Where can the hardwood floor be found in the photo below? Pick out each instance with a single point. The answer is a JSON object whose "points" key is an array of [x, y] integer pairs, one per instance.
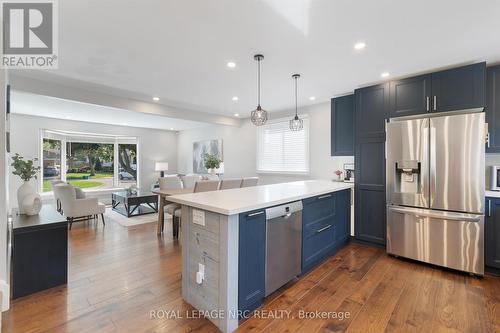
{"points": [[118, 276]]}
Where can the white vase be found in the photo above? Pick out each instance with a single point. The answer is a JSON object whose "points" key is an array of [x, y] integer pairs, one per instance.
{"points": [[23, 192]]}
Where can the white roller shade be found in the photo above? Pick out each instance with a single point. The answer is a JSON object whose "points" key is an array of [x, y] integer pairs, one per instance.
{"points": [[280, 150]]}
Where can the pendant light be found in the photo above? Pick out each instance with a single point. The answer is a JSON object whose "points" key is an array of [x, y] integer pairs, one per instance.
{"points": [[296, 124], [259, 115]]}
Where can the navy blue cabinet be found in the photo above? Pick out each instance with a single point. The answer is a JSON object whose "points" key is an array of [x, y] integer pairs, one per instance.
{"points": [[493, 109], [492, 233], [410, 96], [325, 226], [454, 89], [252, 260], [459, 88], [372, 105], [342, 126]]}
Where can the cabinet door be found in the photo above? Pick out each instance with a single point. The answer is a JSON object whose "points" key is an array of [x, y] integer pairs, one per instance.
{"points": [[342, 126], [343, 215], [493, 108], [410, 96], [370, 216], [492, 233], [252, 259], [459, 88], [371, 110]]}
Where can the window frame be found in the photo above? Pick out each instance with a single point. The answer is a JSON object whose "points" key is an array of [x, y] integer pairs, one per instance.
{"points": [[307, 156], [91, 138]]}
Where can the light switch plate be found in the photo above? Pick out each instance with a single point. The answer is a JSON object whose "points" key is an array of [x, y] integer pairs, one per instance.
{"points": [[199, 217]]}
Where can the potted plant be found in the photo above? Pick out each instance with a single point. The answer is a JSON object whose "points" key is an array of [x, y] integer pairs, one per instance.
{"points": [[212, 163], [27, 199]]}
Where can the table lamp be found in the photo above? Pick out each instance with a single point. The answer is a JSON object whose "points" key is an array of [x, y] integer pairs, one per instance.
{"points": [[162, 167]]}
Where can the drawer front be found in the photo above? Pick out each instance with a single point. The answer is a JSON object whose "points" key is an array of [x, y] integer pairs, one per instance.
{"points": [[208, 290], [318, 244], [311, 229], [203, 242], [318, 207]]}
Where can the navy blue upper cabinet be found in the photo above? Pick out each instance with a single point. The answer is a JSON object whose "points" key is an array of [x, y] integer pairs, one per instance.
{"points": [[459, 88], [492, 233], [493, 108], [252, 260], [342, 126], [371, 110], [410, 96]]}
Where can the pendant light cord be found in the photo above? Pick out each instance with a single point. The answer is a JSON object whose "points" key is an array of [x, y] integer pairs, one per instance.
{"points": [[258, 81], [296, 89]]}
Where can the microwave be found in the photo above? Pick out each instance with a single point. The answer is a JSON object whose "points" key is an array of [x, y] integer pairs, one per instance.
{"points": [[495, 178]]}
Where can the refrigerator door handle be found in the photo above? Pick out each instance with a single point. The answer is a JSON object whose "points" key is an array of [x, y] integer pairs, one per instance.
{"points": [[424, 158], [438, 215], [432, 163]]}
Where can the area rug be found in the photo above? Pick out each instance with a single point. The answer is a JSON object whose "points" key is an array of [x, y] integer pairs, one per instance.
{"points": [[130, 222]]}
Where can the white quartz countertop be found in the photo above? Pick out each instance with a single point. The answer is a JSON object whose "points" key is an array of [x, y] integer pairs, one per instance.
{"points": [[493, 194], [235, 201]]}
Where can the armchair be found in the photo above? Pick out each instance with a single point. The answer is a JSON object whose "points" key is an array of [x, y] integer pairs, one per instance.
{"points": [[77, 209]]}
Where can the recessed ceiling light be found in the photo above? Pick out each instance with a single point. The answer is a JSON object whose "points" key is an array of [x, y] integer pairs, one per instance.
{"points": [[359, 45], [236, 114], [171, 128], [385, 74], [231, 64], [156, 99], [235, 98], [312, 98]]}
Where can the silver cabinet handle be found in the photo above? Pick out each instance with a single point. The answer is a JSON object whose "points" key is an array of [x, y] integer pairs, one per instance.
{"points": [[324, 196], [435, 103], [323, 229], [428, 100], [489, 208], [255, 214]]}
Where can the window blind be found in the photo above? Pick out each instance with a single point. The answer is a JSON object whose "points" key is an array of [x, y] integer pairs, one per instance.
{"points": [[280, 150]]}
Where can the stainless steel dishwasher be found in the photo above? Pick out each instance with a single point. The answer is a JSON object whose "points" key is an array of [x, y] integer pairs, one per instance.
{"points": [[283, 244]]}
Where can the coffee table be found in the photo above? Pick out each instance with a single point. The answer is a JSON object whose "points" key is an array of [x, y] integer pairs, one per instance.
{"points": [[144, 202]]}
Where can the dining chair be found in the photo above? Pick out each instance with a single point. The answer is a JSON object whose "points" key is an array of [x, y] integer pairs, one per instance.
{"points": [[189, 181], [227, 184], [250, 181], [168, 183], [200, 186]]}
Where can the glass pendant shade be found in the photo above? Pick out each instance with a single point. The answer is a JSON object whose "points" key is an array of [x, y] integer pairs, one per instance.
{"points": [[296, 124], [259, 116]]}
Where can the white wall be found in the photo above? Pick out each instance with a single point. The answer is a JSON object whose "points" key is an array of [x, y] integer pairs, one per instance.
{"points": [[239, 147], [154, 145]]}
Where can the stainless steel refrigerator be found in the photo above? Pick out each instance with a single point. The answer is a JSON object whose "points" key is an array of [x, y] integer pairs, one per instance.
{"points": [[435, 190]]}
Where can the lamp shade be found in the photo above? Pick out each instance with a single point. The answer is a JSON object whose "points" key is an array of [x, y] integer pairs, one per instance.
{"points": [[161, 166]]}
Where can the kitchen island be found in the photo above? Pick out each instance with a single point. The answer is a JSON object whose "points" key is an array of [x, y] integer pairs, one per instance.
{"points": [[224, 241]]}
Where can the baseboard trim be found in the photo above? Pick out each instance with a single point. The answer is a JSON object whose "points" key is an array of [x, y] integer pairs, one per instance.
{"points": [[5, 290]]}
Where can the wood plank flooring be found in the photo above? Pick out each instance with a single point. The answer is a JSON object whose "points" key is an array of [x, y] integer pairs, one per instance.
{"points": [[118, 276]]}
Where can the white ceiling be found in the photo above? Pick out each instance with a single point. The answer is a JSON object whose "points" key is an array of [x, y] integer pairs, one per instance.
{"points": [[44, 106], [178, 50]]}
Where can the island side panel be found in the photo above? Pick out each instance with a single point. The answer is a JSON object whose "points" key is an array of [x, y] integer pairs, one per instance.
{"points": [[229, 231], [221, 269]]}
